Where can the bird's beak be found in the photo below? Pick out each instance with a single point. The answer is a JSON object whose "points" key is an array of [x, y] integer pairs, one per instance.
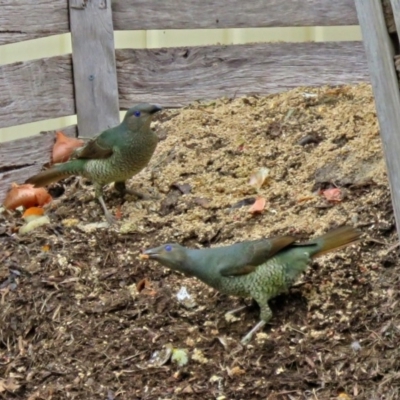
{"points": [[148, 254], [155, 108]]}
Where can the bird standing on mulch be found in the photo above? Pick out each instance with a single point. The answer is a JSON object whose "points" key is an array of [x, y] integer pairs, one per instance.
{"points": [[113, 156], [261, 269]]}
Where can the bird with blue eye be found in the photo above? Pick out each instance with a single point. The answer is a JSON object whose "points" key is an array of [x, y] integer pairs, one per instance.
{"points": [[115, 155], [261, 268]]}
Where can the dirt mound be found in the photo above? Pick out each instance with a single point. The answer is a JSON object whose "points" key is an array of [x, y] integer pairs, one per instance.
{"points": [[82, 316]]}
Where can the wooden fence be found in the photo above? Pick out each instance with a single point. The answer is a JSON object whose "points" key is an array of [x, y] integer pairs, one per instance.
{"points": [[96, 81]]}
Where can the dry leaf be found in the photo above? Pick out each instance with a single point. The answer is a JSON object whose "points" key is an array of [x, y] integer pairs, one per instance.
{"points": [[241, 147], [202, 202], [69, 222], [258, 205], [27, 196], [188, 390], [258, 178], [144, 286], [133, 290], [305, 198], [248, 201], [334, 194], [118, 213], [21, 346], [64, 147], [184, 188], [336, 91], [8, 384], [230, 317], [92, 226], [199, 356], [161, 357], [313, 138], [236, 371]]}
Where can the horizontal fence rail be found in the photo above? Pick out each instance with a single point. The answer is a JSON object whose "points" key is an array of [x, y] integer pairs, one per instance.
{"points": [[31, 19], [195, 14], [178, 76], [43, 89], [36, 90]]}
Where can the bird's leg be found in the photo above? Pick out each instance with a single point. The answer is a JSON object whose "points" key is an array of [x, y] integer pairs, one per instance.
{"points": [[265, 316], [121, 187], [246, 339], [109, 217], [99, 195]]}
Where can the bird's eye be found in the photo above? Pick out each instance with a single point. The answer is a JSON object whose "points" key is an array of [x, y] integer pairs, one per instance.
{"points": [[137, 113], [168, 248]]}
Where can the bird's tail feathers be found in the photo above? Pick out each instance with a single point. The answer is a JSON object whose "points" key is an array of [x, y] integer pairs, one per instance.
{"points": [[334, 240], [56, 173]]}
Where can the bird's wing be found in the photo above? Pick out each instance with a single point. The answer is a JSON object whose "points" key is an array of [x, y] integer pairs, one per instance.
{"points": [[254, 254], [100, 146], [262, 250], [237, 270]]}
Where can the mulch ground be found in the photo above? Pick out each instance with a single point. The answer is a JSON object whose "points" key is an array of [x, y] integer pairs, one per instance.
{"points": [[83, 318]]}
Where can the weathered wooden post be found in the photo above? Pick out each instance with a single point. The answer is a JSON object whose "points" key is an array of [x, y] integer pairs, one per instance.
{"points": [[93, 56], [380, 51]]}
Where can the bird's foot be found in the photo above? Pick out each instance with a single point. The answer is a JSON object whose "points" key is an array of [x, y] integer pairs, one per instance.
{"points": [[246, 339], [230, 317], [110, 218]]}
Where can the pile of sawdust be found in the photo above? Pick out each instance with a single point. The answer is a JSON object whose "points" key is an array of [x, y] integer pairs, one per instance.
{"points": [[216, 147]]}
